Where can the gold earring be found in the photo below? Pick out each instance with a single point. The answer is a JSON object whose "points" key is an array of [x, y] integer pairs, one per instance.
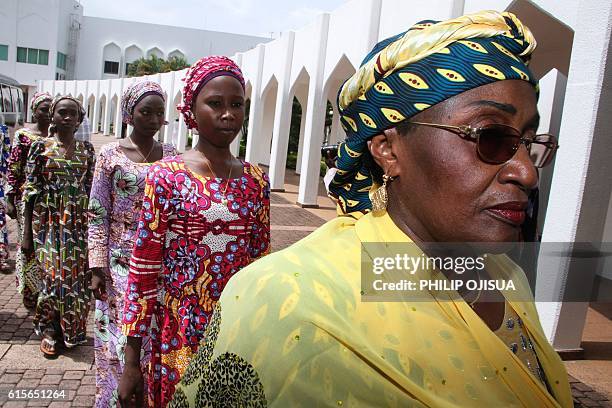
{"points": [[379, 197]]}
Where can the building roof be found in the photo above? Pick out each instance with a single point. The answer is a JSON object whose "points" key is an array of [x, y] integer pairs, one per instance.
{"points": [[8, 80]]}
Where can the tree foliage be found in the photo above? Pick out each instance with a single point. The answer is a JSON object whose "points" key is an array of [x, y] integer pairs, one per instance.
{"points": [[155, 65]]}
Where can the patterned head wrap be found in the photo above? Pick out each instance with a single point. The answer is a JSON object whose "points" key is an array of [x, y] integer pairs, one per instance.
{"points": [[198, 75], [134, 94], [412, 71], [38, 98], [58, 98]]}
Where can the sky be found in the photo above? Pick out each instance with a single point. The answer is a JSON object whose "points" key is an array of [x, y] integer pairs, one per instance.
{"points": [[265, 18]]}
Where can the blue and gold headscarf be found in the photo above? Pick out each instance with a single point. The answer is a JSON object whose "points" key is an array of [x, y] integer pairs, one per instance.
{"points": [[412, 71]]}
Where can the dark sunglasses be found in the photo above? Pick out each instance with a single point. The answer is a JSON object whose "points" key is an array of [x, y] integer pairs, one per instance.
{"points": [[496, 144]]}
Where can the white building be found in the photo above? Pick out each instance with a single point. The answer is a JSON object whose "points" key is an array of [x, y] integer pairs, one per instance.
{"points": [[33, 36], [106, 46], [51, 39], [311, 64]]}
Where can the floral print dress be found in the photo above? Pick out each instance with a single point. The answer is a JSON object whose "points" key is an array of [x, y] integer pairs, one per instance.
{"points": [[190, 242], [115, 203], [59, 188], [5, 147], [26, 268]]}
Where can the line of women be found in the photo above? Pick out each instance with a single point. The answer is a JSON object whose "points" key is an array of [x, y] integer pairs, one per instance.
{"points": [[153, 236]]}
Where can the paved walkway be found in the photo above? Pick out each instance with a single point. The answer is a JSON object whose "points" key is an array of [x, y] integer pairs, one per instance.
{"points": [[22, 366]]}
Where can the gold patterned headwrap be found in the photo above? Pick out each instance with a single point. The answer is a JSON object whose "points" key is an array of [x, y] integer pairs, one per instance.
{"points": [[412, 71]]}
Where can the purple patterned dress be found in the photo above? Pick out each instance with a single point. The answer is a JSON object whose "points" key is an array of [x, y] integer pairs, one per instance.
{"points": [[5, 148], [116, 198]]}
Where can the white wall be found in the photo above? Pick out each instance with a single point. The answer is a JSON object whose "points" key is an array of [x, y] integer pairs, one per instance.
{"points": [[97, 32], [8, 35], [33, 24], [41, 24]]}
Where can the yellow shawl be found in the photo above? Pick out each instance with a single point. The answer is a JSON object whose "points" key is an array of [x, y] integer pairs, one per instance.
{"points": [[291, 331]]}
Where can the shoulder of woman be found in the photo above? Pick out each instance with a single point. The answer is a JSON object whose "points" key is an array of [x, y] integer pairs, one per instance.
{"points": [[25, 135], [38, 148], [110, 148], [40, 144], [163, 168], [255, 171], [108, 152], [321, 260], [169, 149], [88, 145]]}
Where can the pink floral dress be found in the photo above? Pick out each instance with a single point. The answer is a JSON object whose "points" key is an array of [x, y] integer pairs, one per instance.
{"points": [[116, 199]]}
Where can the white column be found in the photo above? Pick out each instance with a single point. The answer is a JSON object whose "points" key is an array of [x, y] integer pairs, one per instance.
{"points": [[96, 114], [582, 175], [160, 134], [550, 106], [298, 161], [264, 141], [457, 9], [315, 118], [256, 111], [118, 117], [165, 133], [181, 142], [171, 115], [107, 115], [118, 122], [282, 119], [194, 139]]}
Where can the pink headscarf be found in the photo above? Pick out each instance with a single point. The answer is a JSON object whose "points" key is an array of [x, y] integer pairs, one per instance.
{"points": [[134, 93], [38, 98], [198, 75]]}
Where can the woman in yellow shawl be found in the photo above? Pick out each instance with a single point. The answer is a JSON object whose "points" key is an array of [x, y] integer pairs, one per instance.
{"points": [[440, 124]]}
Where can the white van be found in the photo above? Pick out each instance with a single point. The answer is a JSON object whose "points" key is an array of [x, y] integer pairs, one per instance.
{"points": [[12, 109]]}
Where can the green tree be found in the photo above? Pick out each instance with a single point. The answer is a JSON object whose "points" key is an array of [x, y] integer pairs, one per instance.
{"points": [[294, 127], [175, 64], [155, 65], [245, 128]]}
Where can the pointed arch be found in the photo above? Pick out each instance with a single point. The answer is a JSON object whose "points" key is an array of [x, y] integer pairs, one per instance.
{"points": [[155, 51], [176, 53]]}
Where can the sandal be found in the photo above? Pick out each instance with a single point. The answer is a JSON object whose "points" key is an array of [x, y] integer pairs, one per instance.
{"points": [[48, 345], [6, 268]]}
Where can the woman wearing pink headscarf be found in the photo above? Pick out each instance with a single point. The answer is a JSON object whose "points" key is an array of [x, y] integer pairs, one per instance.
{"points": [[26, 268], [204, 217]]}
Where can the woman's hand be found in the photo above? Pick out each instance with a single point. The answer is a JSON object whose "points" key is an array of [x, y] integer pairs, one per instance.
{"points": [[27, 244], [11, 211], [131, 386], [98, 283]]}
